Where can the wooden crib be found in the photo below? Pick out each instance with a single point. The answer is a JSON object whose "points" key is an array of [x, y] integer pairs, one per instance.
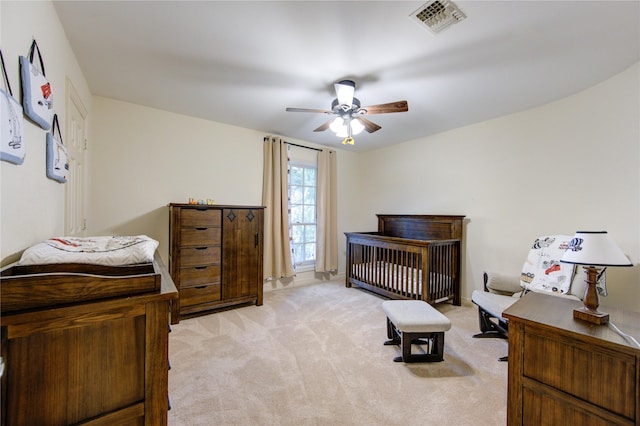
{"points": [[409, 257]]}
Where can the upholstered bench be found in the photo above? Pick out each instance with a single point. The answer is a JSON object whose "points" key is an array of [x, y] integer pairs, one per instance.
{"points": [[410, 321]]}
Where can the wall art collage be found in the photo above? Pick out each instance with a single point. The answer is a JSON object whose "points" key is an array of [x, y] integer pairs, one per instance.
{"points": [[37, 106]]}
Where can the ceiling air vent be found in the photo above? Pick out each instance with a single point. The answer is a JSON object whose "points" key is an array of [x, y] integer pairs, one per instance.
{"points": [[438, 15]]}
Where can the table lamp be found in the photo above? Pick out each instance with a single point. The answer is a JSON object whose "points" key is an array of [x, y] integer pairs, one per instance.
{"points": [[594, 250]]}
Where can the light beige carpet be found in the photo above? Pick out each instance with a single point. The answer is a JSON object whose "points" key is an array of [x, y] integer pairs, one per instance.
{"points": [[314, 355]]}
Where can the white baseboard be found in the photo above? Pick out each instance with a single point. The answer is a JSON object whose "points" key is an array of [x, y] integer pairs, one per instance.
{"points": [[302, 279]]}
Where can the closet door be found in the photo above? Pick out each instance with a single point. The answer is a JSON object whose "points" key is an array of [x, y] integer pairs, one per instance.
{"points": [[242, 254]]}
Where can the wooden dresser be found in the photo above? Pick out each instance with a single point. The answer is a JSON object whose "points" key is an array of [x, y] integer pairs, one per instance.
{"points": [[564, 371], [215, 256], [99, 361]]}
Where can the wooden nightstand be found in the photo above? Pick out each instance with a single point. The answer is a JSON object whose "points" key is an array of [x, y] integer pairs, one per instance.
{"points": [[567, 371]]}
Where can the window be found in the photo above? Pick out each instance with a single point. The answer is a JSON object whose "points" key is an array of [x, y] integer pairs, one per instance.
{"points": [[302, 202]]}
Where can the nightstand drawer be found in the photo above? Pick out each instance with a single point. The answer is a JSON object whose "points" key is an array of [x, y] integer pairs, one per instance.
{"points": [[200, 236], [198, 218], [199, 275], [197, 256], [200, 294]]}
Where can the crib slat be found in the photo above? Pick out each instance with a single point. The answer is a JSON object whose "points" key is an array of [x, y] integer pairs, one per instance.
{"points": [[393, 270], [406, 273], [414, 277], [439, 271], [403, 286]]}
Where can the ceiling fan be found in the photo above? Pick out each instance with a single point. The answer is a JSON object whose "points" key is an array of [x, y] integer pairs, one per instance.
{"points": [[349, 114]]}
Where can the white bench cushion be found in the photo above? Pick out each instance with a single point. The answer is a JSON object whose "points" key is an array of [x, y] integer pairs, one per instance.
{"points": [[415, 316], [493, 303]]}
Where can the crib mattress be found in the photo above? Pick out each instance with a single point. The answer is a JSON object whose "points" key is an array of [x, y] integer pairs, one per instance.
{"points": [[399, 278]]}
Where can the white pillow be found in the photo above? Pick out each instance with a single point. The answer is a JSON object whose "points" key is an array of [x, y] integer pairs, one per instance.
{"points": [[503, 284], [543, 271]]}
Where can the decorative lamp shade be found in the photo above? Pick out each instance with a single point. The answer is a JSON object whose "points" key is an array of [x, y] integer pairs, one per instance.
{"points": [[594, 248]]}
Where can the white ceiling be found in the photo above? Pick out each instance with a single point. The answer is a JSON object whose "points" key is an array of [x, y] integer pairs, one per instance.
{"points": [[243, 62]]}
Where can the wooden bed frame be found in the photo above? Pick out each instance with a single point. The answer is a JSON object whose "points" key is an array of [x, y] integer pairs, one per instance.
{"points": [[408, 253]]}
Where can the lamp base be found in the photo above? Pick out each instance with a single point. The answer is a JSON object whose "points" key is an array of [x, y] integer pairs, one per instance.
{"points": [[588, 315]]}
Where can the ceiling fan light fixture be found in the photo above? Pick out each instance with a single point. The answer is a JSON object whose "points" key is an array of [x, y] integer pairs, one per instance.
{"points": [[349, 114], [344, 91], [336, 124], [356, 126], [343, 132]]}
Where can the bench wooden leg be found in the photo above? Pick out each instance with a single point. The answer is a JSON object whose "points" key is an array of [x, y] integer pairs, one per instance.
{"points": [[392, 334], [434, 342], [435, 352]]}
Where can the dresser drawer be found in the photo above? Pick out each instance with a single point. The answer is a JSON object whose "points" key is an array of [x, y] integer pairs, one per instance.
{"points": [[538, 404], [197, 256], [201, 294], [199, 275], [200, 236], [200, 218], [577, 369]]}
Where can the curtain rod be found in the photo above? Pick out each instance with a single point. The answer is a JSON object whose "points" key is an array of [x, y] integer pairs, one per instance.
{"points": [[302, 146], [299, 146]]}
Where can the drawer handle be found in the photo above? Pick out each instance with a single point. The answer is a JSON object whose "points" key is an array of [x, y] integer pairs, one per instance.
{"points": [[201, 229], [201, 267], [201, 248], [200, 287]]}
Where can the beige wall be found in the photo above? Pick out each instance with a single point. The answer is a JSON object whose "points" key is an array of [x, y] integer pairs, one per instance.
{"points": [[32, 206], [143, 159], [566, 166]]}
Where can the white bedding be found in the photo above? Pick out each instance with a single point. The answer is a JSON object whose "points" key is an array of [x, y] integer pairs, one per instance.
{"points": [[104, 250]]}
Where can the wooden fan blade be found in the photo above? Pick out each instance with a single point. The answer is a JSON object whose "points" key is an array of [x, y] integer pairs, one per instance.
{"points": [[398, 106], [369, 126], [309, 110], [324, 127]]}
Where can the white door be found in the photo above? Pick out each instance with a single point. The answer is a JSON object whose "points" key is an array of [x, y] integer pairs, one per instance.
{"points": [[75, 140]]}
